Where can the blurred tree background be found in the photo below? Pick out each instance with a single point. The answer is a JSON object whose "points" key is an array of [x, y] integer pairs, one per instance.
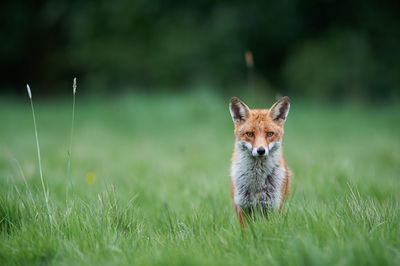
{"points": [[325, 49]]}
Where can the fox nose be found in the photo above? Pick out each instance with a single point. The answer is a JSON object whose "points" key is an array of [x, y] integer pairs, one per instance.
{"points": [[261, 151]]}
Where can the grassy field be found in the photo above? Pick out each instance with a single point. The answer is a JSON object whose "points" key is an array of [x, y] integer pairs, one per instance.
{"points": [[151, 185]]}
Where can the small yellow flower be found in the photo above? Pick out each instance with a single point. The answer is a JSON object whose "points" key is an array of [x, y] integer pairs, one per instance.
{"points": [[90, 178]]}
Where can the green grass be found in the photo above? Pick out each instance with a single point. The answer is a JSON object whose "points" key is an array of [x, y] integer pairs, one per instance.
{"points": [[162, 195]]}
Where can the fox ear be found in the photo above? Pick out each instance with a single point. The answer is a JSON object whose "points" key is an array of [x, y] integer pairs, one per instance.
{"points": [[279, 111], [239, 110]]}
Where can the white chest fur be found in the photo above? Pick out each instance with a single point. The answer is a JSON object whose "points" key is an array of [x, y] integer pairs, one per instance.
{"points": [[257, 180]]}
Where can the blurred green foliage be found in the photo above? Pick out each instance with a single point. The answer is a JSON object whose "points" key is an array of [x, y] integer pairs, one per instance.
{"points": [[328, 49]]}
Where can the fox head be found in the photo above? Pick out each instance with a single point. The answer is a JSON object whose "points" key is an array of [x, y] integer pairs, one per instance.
{"points": [[259, 131]]}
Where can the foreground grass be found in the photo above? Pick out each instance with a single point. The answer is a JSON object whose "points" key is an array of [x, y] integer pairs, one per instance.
{"points": [[150, 182]]}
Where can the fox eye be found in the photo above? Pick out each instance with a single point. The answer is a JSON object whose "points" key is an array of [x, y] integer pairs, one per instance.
{"points": [[270, 134], [250, 134]]}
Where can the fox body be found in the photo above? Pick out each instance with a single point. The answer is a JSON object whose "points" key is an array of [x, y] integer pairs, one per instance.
{"points": [[259, 174]]}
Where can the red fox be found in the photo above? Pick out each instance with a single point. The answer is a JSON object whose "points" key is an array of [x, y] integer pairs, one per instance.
{"points": [[259, 174]]}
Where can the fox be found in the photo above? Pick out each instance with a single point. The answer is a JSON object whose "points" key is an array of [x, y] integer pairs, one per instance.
{"points": [[259, 174]]}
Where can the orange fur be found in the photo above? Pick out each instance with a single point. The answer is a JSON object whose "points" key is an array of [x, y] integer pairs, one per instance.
{"points": [[238, 211]]}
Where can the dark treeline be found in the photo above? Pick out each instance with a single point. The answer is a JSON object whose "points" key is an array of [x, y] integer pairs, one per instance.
{"points": [[340, 49]]}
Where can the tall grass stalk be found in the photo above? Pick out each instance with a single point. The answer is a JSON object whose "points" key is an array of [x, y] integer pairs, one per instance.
{"points": [[248, 56], [45, 191], [70, 141]]}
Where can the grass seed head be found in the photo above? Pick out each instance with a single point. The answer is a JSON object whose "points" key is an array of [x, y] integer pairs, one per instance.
{"points": [[74, 86], [248, 56], [29, 91]]}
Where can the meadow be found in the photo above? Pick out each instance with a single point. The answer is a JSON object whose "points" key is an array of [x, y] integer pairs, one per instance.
{"points": [[150, 184]]}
